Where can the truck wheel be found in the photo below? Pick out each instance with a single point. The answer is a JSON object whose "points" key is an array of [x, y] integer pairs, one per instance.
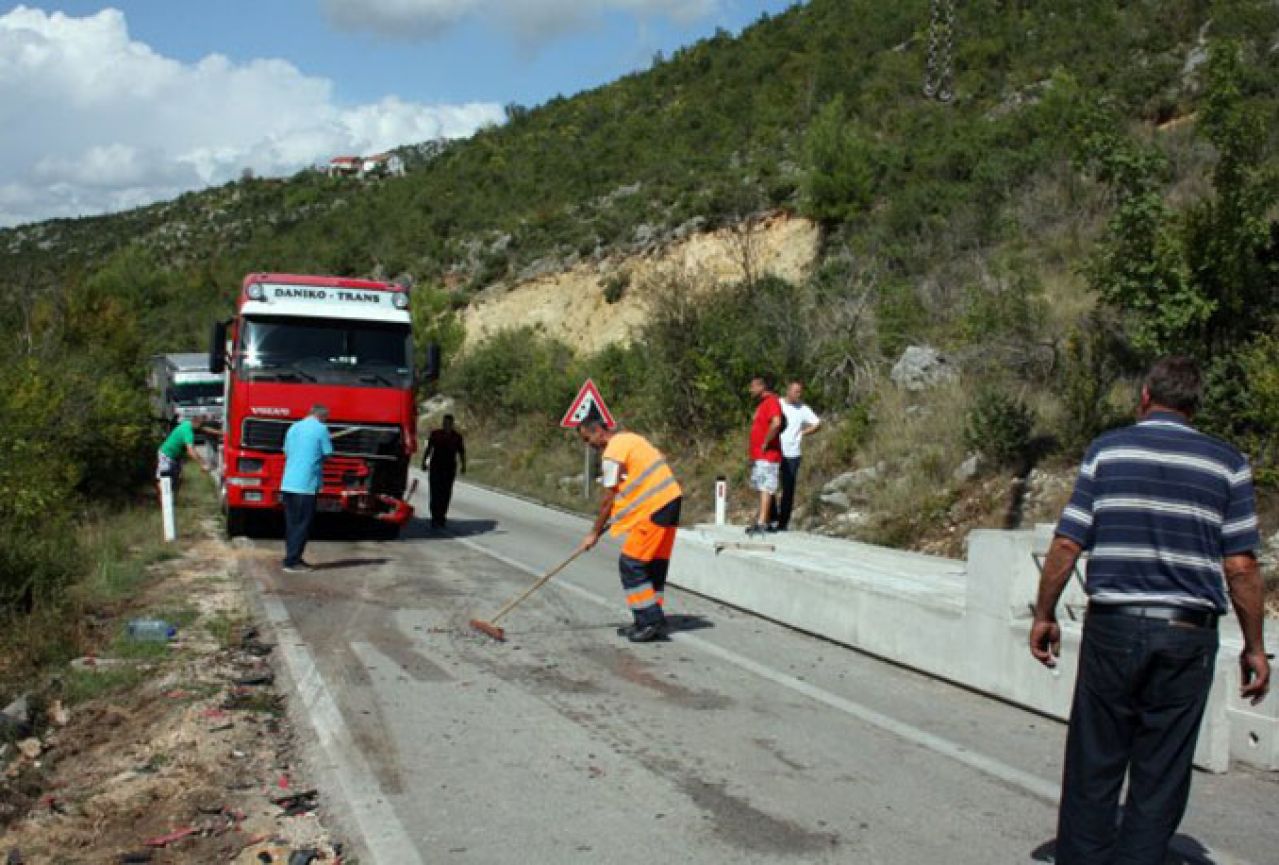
{"points": [[237, 522], [384, 531]]}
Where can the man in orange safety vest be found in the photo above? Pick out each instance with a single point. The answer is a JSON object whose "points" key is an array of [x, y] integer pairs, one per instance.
{"points": [[641, 500]]}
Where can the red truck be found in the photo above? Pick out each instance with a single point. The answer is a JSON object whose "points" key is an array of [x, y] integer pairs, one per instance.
{"points": [[300, 340]]}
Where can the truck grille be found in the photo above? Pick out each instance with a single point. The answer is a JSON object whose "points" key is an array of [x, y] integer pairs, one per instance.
{"points": [[369, 442]]}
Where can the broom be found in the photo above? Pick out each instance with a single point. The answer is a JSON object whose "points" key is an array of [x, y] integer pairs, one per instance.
{"points": [[490, 627]]}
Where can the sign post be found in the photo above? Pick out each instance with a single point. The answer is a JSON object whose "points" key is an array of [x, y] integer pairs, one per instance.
{"points": [[587, 404]]}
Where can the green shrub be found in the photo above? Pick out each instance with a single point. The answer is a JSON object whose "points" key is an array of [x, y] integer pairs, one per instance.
{"points": [[615, 286], [516, 372], [998, 426], [1094, 361], [1241, 403]]}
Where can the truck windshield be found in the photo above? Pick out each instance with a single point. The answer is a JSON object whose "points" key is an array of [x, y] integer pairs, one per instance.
{"points": [[316, 350], [197, 393]]}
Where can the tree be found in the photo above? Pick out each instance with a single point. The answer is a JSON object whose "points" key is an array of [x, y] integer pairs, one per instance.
{"points": [[839, 175]]}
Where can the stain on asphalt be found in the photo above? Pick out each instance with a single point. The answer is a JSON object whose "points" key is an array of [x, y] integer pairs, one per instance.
{"points": [[771, 746], [552, 678], [630, 668], [738, 822]]}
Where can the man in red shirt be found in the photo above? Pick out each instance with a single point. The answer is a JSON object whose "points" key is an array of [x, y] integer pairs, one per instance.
{"points": [[765, 450]]}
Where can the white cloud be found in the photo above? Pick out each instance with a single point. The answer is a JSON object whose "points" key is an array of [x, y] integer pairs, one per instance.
{"points": [[531, 20], [94, 121]]}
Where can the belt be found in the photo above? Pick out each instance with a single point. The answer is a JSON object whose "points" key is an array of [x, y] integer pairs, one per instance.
{"points": [[1184, 615]]}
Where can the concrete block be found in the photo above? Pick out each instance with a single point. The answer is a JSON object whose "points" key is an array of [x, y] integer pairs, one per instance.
{"points": [[967, 622]]}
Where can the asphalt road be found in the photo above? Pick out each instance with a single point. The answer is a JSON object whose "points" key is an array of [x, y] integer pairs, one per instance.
{"points": [[739, 741]]}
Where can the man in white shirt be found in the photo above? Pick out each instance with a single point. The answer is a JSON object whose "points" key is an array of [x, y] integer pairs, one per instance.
{"points": [[800, 421]]}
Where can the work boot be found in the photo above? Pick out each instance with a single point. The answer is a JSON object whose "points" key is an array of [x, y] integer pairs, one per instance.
{"points": [[648, 633]]}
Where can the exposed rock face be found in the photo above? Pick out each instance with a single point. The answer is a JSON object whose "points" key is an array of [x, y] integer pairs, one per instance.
{"points": [[569, 303], [921, 368]]}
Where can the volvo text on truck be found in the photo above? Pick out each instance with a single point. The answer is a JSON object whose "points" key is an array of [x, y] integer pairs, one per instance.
{"points": [[296, 341]]}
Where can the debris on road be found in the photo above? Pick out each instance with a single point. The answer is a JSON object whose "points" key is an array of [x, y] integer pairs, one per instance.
{"points": [[147, 773], [298, 803], [166, 840]]}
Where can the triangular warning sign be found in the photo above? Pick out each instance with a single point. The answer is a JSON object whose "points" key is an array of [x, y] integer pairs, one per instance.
{"points": [[587, 404]]}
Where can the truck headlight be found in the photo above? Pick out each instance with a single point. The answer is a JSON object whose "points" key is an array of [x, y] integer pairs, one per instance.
{"points": [[256, 291]]}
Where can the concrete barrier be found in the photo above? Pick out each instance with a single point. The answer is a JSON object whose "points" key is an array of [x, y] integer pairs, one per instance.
{"points": [[967, 622]]}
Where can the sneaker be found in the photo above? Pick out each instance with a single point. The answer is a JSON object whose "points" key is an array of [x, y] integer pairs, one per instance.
{"points": [[626, 630], [299, 568], [648, 633]]}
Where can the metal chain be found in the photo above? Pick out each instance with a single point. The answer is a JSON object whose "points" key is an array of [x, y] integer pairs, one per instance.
{"points": [[939, 75]]}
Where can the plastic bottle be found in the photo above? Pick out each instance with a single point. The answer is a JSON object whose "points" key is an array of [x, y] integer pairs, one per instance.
{"points": [[151, 630]]}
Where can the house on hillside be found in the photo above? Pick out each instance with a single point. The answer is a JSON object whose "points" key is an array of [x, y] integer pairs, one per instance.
{"points": [[383, 165], [378, 165], [345, 166]]}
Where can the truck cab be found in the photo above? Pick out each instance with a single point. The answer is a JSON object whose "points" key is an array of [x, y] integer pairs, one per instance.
{"points": [[297, 341]]}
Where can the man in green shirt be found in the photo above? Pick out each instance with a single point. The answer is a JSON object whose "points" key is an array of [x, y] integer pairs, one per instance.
{"points": [[179, 445]]}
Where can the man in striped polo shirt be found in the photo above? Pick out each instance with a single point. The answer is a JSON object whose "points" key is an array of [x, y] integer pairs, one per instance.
{"points": [[1165, 512]]}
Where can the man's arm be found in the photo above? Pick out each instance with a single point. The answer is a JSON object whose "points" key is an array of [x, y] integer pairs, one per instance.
{"points": [[195, 455], [601, 519], [1045, 633], [774, 427], [461, 452], [426, 453], [1243, 577]]}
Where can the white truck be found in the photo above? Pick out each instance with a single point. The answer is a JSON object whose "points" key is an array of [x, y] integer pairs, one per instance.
{"points": [[183, 388]]}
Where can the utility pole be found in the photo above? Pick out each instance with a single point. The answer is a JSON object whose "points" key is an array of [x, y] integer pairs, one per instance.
{"points": [[939, 72]]}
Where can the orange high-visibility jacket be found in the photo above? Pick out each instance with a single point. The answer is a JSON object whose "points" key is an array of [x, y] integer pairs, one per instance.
{"points": [[647, 483]]}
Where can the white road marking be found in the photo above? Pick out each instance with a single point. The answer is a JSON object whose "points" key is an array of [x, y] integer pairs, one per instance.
{"points": [[384, 835], [1034, 785]]}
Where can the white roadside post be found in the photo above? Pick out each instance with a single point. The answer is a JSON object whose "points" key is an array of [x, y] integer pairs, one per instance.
{"points": [[721, 500], [166, 508]]}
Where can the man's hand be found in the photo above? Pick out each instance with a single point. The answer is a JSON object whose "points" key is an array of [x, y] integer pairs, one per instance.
{"points": [[1254, 674], [589, 542], [1045, 641]]}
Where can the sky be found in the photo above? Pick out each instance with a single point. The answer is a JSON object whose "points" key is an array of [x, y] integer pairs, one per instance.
{"points": [[108, 106]]}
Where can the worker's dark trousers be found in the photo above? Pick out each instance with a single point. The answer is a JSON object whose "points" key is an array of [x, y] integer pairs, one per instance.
{"points": [[441, 483], [1141, 692], [782, 510], [299, 513]]}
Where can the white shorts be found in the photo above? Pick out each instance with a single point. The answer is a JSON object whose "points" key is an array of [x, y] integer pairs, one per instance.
{"points": [[765, 476], [166, 467]]}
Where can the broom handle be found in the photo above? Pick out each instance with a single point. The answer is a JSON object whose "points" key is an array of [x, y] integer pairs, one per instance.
{"points": [[512, 604]]}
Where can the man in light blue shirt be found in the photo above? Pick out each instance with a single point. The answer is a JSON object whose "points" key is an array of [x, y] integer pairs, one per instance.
{"points": [[305, 447]]}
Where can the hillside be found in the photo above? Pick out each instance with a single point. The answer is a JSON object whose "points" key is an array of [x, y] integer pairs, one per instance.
{"points": [[1099, 191]]}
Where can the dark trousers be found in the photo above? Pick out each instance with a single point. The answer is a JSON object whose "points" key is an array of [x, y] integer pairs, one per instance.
{"points": [[299, 513], [782, 510], [441, 484], [1141, 692]]}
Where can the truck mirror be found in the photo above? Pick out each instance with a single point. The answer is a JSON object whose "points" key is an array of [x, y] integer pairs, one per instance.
{"points": [[217, 347], [433, 362]]}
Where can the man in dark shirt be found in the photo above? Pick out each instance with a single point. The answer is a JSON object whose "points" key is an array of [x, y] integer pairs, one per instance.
{"points": [[444, 450], [1165, 512]]}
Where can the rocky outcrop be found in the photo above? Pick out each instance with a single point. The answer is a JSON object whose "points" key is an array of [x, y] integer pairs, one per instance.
{"points": [[570, 303]]}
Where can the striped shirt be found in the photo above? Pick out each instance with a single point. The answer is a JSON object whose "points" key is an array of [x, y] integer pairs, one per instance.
{"points": [[1159, 505]]}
